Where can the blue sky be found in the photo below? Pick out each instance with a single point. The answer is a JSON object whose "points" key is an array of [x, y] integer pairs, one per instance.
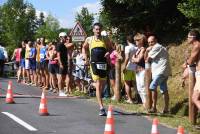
{"points": [[63, 10]]}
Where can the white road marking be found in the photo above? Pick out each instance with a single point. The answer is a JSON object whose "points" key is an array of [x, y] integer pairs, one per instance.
{"points": [[21, 122]]}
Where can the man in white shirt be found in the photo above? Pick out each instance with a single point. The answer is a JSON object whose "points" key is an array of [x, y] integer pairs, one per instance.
{"points": [[3, 58], [158, 57]]}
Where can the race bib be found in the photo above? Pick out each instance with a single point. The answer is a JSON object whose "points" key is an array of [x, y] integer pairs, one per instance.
{"points": [[102, 66], [42, 56]]}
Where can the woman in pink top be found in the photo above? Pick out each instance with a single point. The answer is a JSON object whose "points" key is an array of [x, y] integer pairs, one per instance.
{"points": [[17, 57], [115, 54], [53, 66]]}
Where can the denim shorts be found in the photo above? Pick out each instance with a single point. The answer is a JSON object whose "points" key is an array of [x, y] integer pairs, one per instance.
{"points": [[159, 80], [22, 63]]}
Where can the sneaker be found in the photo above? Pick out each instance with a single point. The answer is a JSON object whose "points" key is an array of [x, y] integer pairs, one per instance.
{"points": [[54, 91], [62, 94], [102, 112], [129, 101], [113, 98], [165, 112], [152, 110], [34, 85], [18, 81], [50, 89]]}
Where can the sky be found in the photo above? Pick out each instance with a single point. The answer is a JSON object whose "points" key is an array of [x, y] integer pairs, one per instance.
{"points": [[63, 10]]}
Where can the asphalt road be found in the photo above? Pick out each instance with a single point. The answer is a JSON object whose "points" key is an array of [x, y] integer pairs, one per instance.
{"points": [[70, 115]]}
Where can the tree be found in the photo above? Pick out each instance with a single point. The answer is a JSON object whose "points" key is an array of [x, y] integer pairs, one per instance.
{"points": [[40, 20], [161, 16], [18, 22], [191, 9], [50, 29], [86, 19]]}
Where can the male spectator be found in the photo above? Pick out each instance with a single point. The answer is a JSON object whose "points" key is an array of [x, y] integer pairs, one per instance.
{"points": [[3, 58], [99, 48], [62, 62], [32, 62], [158, 56], [44, 64], [38, 68], [69, 78], [194, 60], [27, 62], [22, 61]]}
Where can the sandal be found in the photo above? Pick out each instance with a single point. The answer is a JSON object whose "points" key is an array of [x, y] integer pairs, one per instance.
{"points": [[165, 112], [152, 110]]}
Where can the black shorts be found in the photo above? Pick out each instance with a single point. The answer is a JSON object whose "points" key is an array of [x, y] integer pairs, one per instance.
{"points": [[38, 65], [17, 64], [63, 70], [70, 67], [53, 68], [44, 65]]}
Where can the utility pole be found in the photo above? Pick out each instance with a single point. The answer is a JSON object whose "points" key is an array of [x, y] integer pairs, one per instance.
{"points": [[192, 107], [147, 84]]}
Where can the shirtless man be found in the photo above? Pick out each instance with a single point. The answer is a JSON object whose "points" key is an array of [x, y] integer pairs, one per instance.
{"points": [[194, 39], [69, 78]]}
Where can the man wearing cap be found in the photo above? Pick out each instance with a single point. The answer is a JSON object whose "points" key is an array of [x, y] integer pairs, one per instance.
{"points": [[62, 56]]}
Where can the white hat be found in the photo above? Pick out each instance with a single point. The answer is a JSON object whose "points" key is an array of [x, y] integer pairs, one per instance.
{"points": [[62, 34], [104, 33]]}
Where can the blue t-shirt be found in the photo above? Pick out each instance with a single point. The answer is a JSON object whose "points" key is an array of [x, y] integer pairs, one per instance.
{"points": [[43, 52], [33, 52]]}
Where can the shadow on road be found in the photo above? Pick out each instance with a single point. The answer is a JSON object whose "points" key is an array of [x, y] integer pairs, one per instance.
{"points": [[117, 112]]}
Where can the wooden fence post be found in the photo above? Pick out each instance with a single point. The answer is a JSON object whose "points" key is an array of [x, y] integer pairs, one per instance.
{"points": [[147, 84], [192, 107]]}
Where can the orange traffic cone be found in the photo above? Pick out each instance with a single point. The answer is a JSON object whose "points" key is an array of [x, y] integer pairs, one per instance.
{"points": [[109, 126], [43, 105], [180, 130], [9, 95], [154, 129]]}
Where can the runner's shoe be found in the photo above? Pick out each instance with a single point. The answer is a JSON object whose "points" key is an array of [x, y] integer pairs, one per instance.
{"points": [[102, 112]]}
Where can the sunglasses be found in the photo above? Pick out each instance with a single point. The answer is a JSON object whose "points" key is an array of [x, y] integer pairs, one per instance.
{"points": [[137, 39]]}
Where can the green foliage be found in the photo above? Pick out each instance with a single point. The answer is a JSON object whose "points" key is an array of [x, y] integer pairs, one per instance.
{"points": [[50, 29], [66, 30], [40, 21], [159, 16], [191, 9], [17, 22], [86, 19]]}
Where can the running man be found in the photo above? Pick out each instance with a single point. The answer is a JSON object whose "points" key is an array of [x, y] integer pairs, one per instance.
{"points": [[99, 48]]}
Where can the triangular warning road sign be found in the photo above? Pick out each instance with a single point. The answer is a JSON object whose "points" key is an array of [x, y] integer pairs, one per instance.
{"points": [[78, 30]]}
